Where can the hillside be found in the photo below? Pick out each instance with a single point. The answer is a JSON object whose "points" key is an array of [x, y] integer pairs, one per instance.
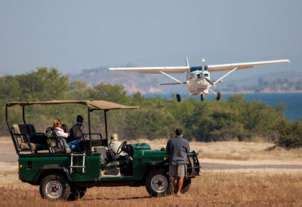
{"points": [[132, 82]]}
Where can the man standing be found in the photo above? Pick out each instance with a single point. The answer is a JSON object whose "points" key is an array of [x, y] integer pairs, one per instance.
{"points": [[177, 149]]}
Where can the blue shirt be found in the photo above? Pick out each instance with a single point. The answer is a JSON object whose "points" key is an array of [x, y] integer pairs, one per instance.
{"points": [[177, 149]]}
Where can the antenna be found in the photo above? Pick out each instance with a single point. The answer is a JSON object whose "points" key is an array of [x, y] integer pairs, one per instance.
{"points": [[203, 60], [187, 61]]}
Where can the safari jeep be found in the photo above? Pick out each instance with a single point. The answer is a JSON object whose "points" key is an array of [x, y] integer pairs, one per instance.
{"points": [[64, 174]]}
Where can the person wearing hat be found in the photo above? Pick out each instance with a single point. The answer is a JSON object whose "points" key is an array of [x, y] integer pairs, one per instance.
{"points": [[115, 143]]}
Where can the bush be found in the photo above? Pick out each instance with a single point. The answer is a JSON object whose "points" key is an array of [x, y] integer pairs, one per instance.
{"points": [[291, 135]]}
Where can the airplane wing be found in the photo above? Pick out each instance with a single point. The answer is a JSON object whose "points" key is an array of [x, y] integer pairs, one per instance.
{"points": [[246, 65], [169, 69]]}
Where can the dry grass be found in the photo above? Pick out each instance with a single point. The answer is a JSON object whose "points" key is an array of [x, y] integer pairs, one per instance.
{"points": [[232, 150], [210, 189]]}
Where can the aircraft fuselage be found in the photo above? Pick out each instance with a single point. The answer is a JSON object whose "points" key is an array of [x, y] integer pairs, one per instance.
{"points": [[197, 83]]}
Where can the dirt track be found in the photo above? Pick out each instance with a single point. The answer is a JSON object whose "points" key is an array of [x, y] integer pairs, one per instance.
{"points": [[211, 166]]}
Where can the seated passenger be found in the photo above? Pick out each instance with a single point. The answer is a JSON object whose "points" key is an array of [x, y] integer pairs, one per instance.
{"points": [[59, 131], [76, 131], [76, 134]]}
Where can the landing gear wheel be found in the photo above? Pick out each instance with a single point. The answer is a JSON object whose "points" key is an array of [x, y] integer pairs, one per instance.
{"points": [[54, 187], [201, 97], [157, 183], [77, 193], [218, 97], [186, 185], [178, 98]]}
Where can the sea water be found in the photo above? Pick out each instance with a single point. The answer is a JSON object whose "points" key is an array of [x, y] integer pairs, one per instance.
{"points": [[291, 102]]}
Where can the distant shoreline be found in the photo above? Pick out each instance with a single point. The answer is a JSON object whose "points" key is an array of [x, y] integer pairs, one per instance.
{"points": [[264, 92], [227, 93]]}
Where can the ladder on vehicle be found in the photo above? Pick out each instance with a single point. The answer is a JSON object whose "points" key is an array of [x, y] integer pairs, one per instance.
{"points": [[77, 163]]}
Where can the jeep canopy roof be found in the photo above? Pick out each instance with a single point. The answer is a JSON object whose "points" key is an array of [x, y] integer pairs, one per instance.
{"points": [[92, 105]]}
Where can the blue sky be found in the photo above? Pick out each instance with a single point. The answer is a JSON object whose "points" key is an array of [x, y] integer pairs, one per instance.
{"points": [[75, 35]]}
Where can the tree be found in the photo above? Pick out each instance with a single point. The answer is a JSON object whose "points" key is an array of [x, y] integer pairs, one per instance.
{"points": [[43, 84], [115, 93]]}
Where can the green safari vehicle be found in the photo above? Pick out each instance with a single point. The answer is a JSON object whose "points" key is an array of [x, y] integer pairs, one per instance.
{"points": [[61, 173]]}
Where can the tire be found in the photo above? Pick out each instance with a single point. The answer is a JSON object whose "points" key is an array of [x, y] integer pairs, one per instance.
{"points": [[178, 98], [157, 184], [77, 193], [218, 97], [186, 185], [201, 97], [54, 187]]}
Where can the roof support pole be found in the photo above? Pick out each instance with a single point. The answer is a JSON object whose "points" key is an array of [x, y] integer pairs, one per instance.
{"points": [[106, 125], [89, 124], [89, 128], [23, 114]]}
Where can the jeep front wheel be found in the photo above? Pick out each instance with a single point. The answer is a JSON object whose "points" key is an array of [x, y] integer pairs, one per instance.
{"points": [[54, 187], [157, 184]]}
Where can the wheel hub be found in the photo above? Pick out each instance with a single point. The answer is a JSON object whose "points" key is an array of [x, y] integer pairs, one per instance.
{"points": [[54, 189], [159, 183]]}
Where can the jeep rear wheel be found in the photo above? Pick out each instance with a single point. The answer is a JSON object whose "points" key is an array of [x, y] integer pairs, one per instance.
{"points": [[77, 193], [54, 187], [157, 184]]}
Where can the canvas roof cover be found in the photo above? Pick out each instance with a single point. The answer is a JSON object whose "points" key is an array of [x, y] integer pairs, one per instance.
{"points": [[94, 105]]}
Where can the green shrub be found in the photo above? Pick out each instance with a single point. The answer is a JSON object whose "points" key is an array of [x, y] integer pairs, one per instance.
{"points": [[291, 135]]}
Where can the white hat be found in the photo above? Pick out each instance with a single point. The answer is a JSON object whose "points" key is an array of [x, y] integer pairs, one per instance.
{"points": [[114, 136]]}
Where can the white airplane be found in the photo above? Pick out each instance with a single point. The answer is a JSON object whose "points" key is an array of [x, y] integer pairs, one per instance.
{"points": [[198, 79]]}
